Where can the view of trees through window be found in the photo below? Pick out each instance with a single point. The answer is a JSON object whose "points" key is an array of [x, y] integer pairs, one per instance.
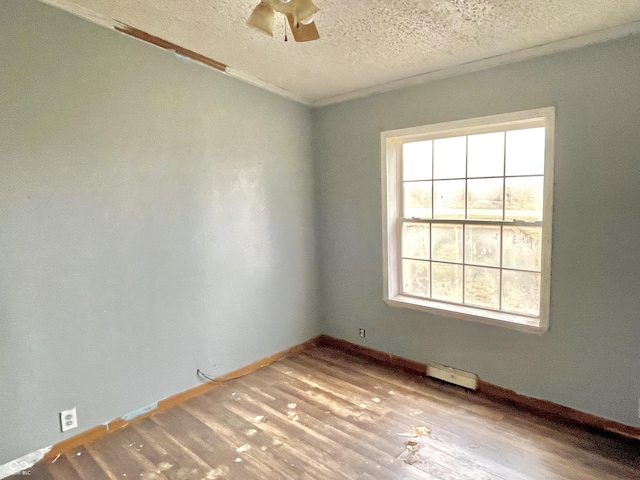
{"points": [[472, 219]]}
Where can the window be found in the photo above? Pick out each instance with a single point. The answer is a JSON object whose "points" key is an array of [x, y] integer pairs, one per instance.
{"points": [[467, 227]]}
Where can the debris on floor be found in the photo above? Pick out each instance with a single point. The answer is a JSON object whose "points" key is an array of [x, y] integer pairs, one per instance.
{"points": [[164, 466], [243, 448], [258, 419], [419, 431], [220, 472], [410, 456]]}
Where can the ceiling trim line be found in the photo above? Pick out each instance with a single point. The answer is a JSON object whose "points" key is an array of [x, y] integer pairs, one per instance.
{"points": [[592, 38], [159, 42], [83, 12], [181, 52]]}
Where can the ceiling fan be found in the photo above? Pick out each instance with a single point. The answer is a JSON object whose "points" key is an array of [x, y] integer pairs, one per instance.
{"points": [[299, 14]]}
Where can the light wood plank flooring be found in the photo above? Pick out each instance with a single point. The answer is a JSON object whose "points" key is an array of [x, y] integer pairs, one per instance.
{"points": [[325, 414]]}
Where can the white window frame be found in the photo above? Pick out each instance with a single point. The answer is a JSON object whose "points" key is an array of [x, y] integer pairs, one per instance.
{"points": [[391, 204]]}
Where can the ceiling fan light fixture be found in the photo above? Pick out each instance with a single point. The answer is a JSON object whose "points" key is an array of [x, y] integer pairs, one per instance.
{"points": [[262, 18], [306, 9]]}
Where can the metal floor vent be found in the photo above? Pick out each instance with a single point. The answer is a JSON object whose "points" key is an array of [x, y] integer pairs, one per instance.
{"points": [[452, 375]]}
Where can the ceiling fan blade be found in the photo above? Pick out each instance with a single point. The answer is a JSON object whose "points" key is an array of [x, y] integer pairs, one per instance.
{"points": [[301, 32]]}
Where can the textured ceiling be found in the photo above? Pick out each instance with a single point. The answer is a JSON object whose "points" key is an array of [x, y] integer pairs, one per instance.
{"points": [[364, 43]]}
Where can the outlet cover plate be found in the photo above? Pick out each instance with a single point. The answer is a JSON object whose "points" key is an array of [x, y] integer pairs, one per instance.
{"points": [[68, 419]]}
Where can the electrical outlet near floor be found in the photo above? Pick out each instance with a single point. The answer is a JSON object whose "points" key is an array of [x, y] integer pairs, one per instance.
{"points": [[362, 333], [68, 419]]}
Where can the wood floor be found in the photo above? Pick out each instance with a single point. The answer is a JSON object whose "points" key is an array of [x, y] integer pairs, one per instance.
{"points": [[324, 414]]}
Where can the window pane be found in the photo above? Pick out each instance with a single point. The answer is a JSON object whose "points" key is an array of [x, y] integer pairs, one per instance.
{"points": [[521, 248], [449, 199], [417, 200], [486, 155], [523, 199], [447, 282], [521, 292], [447, 242], [482, 287], [450, 157], [415, 278], [416, 160], [485, 199], [482, 245], [415, 240], [525, 152]]}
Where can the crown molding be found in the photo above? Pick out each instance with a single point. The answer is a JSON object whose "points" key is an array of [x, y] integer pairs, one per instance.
{"points": [[579, 41], [479, 64]]}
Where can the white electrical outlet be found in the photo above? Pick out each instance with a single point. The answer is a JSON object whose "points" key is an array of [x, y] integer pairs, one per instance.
{"points": [[68, 419]]}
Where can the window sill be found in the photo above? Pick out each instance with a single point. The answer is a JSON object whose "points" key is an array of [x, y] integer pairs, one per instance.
{"points": [[472, 314]]}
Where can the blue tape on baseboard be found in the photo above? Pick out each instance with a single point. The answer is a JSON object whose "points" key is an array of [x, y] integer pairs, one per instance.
{"points": [[141, 411]]}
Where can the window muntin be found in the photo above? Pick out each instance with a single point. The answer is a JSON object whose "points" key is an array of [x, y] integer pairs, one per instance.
{"points": [[469, 216]]}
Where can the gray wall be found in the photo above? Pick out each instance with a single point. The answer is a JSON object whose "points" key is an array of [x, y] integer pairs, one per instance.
{"points": [[155, 217], [590, 358]]}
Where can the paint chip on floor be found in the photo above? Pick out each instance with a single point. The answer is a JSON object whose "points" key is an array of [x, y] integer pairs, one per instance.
{"points": [[219, 472], [292, 405], [259, 418], [252, 432], [243, 448], [164, 466]]}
